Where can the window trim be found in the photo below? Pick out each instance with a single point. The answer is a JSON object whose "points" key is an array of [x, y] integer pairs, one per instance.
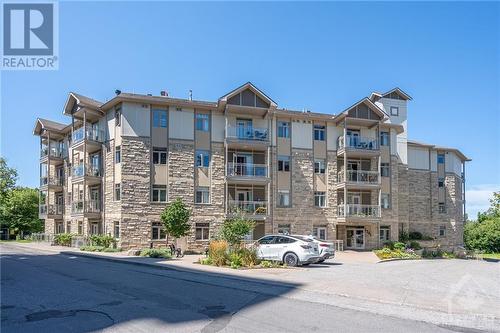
{"points": [[284, 129], [203, 119], [116, 224], [394, 108], [118, 195], [202, 226], [284, 161], [118, 154], [318, 196], [321, 131], [385, 166], [158, 118], [159, 189], [279, 194], [202, 190], [388, 196], [439, 160], [159, 153], [161, 229], [386, 138], [203, 153], [320, 161], [442, 227]]}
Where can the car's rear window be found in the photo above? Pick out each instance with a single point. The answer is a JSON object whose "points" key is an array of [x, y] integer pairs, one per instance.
{"points": [[302, 238]]}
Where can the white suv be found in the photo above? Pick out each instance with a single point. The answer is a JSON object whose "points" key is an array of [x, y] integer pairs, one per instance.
{"points": [[291, 250]]}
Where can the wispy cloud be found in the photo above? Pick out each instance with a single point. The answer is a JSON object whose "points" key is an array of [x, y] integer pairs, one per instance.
{"points": [[477, 198]]}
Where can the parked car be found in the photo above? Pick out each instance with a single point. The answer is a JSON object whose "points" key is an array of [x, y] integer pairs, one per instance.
{"points": [[291, 250], [326, 249]]}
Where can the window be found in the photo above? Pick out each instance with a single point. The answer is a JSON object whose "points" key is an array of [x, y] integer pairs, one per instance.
{"points": [[118, 154], [385, 169], [319, 199], [440, 158], [442, 231], [202, 158], [159, 193], [267, 239], [284, 229], [118, 191], [202, 122], [160, 118], [385, 201], [319, 166], [384, 138], [385, 233], [68, 227], [80, 227], [283, 198], [202, 231], [319, 232], [394, 111], [157, 231], [116, 229], [440, 182], [117, 117], [159, 157], [319, 132], [283, 129], [283, 163], [202, 195], [59, 228], [442, 207]]}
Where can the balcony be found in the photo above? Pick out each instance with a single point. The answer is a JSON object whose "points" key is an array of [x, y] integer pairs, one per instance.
{"points": [[357, 145], [55, 183], [255, 209], [357, 211], [51, 211], [90, 208], [359, 179], [88, 172], [247, 136], [247, 173], [93, 137], [55, 155]]}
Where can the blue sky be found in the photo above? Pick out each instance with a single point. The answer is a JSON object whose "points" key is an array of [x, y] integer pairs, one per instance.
{"points": [[320, 56]]}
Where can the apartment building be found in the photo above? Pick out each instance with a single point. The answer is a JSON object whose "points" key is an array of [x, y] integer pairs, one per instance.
{"points": [[352, 176]]}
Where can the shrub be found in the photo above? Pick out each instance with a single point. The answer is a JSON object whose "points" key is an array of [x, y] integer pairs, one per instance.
{"points": [[156, 253], [217, 252], [399, 246], [403, 236], [414, 245], [483, 236], [102, 240], [249, 257], [389, 244], [415, 235], [92, 248], [234, 230], [63, 239], [235, 260], [205, 261], [270, 264], [110, 249]]}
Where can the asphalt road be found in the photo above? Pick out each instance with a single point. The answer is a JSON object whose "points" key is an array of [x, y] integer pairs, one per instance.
{"points": [[44, 292]]}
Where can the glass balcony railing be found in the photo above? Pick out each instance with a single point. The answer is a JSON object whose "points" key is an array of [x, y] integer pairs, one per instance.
{"points": [[93, 134], [248, 207], [356, 210], [91, 206], [360, 177], [246, 170], [56, 209], [357, 142], [57, 152], [81, 170], [247, 133], [55, 181]]}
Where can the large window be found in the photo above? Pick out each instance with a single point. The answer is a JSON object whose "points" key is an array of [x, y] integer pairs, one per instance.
{"points": [[319, 166], [202, 231], [385, 233], [319, 132], [159, 157], [283, 198], [118, 154], [320, 232], [202, 158], [320, 199], [385, 200], [284, 229], [385, 169], [440, 158], [202, 195], [157, 231], [160, 118], [283, 163], [442, 231], [202, 122], [384, 138], [159, 193], [118, 191], [283, 129]]}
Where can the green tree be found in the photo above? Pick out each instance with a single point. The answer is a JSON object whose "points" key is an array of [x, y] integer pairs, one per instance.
{"points": [[8, 177], [493, 211], [483, 236], [20, 211], [234, 230], [175, 218]]}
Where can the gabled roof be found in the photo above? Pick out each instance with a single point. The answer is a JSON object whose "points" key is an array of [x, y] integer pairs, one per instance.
{"points": [[372, 106], [80, 100], [396, 90], [252, 87], [426, 145], [44, 124]]}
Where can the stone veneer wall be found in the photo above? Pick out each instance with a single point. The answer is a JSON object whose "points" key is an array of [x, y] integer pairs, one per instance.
{"points": [[112, 208]]}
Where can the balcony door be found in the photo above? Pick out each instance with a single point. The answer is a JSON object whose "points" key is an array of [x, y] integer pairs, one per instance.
{"points": [[353, 137], [244, 128], [59, 204], [243, 164], [95, 164], [352, 170]]}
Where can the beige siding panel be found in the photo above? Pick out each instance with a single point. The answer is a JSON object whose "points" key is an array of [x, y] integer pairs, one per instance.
{"points": [[135, 119], [203, 177], [181, 124], [283, 180], [160, 174], [418, 158], [302, 135], [218, 127], [453, 163], [320, 182], [385, 154], [441, 194], [160, 137], [319, 149], [284, 146], [332, 133], [386, 185], [203, 140]]}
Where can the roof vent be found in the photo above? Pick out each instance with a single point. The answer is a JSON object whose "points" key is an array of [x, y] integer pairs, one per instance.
{"points": [[190, 95], [164, 93], [118, 92]]}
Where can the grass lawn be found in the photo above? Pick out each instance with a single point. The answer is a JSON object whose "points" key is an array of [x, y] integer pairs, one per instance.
{"points": [[491, 255]]}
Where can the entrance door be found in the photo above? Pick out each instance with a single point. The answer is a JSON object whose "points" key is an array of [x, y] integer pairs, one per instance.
{"points": [[355, 239]]}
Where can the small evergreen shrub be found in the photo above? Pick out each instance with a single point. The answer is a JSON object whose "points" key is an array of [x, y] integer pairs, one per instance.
{"points": [[156, 253]]}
